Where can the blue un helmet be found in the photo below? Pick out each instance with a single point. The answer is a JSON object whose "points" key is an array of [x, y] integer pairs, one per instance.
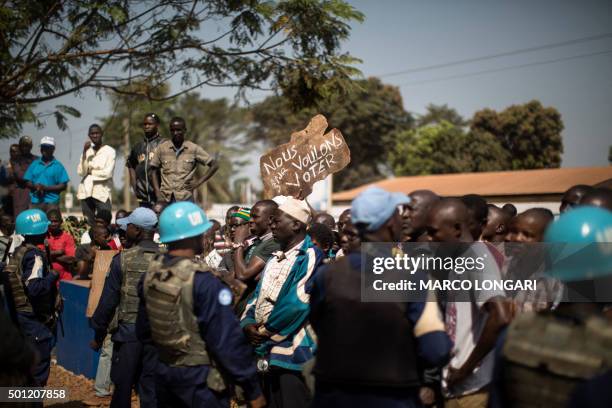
{"points": [[182, 220], [31, 222], [581, 244]]}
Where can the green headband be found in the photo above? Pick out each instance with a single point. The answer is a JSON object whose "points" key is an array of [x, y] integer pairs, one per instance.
{"points": [[243, 212]]}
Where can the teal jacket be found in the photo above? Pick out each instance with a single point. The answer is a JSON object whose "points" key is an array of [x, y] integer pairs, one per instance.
{"points": [[292, 340]]}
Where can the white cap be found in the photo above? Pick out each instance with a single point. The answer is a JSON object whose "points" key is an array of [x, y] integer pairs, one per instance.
{"points": [[280, 199], [47, 140], [298, 209]]}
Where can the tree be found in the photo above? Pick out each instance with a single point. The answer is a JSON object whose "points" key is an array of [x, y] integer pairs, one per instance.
{"points": [[216, 125], [52, 48], [220, 128], [530, 133], [437, 113], [367, 119], [445, 148], [133, 106]]}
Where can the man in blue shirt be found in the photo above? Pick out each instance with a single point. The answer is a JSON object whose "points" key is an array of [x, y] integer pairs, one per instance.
{"points": [[46, 178]]}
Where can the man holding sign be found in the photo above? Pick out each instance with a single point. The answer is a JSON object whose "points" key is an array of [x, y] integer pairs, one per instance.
{"points": [[276, 317]]}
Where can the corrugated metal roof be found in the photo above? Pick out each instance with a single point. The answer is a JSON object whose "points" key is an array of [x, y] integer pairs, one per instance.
{"points": [[497, 183]]}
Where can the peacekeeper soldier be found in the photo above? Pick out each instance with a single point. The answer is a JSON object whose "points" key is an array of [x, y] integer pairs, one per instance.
{"points": [[34, 289], [187, 313], [133, 363], [546, 354], [371, 353]]}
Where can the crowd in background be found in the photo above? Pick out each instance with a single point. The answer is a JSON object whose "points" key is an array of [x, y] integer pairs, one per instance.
{"points": [[280, 309]]}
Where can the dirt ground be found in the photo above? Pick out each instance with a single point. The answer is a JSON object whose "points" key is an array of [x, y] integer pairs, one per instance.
{"points": [[79, 389]]}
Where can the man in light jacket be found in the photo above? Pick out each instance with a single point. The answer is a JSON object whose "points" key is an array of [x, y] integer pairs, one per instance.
{"points": [[96, 171]]}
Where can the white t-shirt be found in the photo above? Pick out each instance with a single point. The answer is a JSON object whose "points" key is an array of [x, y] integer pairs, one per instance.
{"points": [[464, 324]]}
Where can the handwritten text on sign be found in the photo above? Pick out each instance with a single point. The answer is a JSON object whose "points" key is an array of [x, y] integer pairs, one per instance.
{"points": [[310, 156]]}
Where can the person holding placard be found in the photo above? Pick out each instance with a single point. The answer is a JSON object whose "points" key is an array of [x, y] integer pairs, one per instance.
{"points": [[276, 317]]}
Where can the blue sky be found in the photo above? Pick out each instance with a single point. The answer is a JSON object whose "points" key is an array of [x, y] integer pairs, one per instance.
{"points": [[400, 35]]}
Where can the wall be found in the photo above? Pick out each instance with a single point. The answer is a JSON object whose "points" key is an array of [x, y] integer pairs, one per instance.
{"points": [[73, 351]]}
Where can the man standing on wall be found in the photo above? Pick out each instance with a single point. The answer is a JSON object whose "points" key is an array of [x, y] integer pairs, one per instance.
{"points": [[96, 170], [138, 163], [177, 161], [46, 177], [19, 166]]}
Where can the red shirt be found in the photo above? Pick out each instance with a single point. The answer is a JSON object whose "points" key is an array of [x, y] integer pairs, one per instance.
{"points": [[113, 244], [63, 242]]}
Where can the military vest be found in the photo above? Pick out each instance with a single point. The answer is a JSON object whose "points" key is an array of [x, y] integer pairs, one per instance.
{"points": [[168, 292], [43, 306], [134, 263], [546, 356], [369, 344]]}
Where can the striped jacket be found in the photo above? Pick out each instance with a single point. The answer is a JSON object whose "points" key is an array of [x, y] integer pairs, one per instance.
{"points": [[280, 304]]}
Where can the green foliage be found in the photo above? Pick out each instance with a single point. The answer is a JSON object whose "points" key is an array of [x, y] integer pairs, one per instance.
{"points": [[76, 229], [215, 125], [220, 129], [436, 114], [530, 133], [367, 118], [50, 49], [445, 148], [520, 137], [132, 106]]}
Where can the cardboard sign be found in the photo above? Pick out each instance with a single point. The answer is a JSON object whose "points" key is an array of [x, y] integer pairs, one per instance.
{"points": [[101, 267], [310, 156]]}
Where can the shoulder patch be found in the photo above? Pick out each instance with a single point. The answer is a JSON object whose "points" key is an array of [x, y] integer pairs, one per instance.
{"points": [[37, 269], [225, 297]]}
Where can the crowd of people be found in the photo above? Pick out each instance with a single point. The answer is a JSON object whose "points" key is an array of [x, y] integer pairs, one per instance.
{"points": [[264, 308]]}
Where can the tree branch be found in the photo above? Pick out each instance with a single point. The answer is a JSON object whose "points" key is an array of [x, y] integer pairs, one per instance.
{"points": [[65, 92], [40, 30]]}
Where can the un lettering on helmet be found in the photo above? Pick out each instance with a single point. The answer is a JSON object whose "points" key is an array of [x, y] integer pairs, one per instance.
{"points": [[195, 218], [34, 217]]}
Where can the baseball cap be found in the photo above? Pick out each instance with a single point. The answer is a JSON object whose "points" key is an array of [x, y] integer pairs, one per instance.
{"points": [[297, 209], [375, 206], [47, 140], [141, 217]]}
